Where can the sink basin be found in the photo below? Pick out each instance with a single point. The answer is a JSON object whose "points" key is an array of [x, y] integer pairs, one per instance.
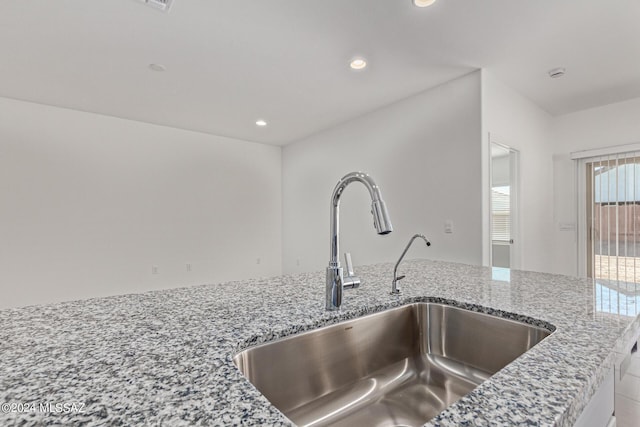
{"points": [[399, 367]]}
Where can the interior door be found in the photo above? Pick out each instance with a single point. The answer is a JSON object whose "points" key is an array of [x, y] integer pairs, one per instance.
{"points": [[504, 206]]}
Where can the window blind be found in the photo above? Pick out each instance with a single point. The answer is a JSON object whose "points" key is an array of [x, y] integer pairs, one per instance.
{"points": [[501, 214], [613, 211]]}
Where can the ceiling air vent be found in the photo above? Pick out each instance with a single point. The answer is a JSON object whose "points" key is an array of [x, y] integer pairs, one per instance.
{"points": [[162, 5]]}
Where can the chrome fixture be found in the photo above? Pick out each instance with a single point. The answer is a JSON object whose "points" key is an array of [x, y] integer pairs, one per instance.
{"points": [[351, 281], [396, 279], [336, 282]]}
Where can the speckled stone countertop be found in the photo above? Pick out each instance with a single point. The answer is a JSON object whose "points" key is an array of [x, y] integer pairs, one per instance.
{"points": [[165, 357]]}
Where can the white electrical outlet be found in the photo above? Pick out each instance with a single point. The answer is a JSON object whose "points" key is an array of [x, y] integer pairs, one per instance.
{"points": [[448, 226], [189, 267], [257, 260], [567, 226], [154, 269]]}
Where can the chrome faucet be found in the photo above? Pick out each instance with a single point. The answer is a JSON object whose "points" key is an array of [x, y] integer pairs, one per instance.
{"points": [[396, 279], [336, 281]]}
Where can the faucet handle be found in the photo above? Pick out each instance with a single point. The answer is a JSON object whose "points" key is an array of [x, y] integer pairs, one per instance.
{"points": [[347, 260], [350, 281]]}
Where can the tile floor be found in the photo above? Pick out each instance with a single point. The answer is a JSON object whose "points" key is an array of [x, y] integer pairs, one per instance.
{"points": [[628, 396]]}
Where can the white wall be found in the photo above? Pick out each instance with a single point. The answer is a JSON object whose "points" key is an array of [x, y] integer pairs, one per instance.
{"points": [[89, 203], [606, 126], [424, 154], [515, 121]]}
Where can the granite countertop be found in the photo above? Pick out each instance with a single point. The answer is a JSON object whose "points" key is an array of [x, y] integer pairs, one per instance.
{"points": [[165, 357]]}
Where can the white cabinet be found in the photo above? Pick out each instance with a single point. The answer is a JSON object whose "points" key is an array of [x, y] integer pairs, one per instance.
{"points": [[599, 411]]}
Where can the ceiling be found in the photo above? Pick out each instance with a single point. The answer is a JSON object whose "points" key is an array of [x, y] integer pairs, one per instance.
{"points": [[230, 62]]}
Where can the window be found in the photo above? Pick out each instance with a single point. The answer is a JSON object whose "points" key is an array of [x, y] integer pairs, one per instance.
{"points": [[501, 214]]}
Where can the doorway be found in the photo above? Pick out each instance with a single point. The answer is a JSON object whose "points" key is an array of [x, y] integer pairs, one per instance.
{"points": [[504, 206], [611, 215]]}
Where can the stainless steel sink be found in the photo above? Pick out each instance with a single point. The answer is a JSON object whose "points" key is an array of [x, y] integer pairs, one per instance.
{"points": [[401, 366]]}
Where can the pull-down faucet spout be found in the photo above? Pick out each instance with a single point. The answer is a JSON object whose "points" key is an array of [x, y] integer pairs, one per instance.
{"points": [[381, 221]]}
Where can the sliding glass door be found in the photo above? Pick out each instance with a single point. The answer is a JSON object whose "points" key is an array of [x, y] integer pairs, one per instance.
{"points": [[613, 212], [613, 231]]}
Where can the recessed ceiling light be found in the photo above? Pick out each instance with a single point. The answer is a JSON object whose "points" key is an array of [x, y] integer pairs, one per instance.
{"points": [[261, 122], [423, 3], [157, 67], [557, 72], [358, 63]]}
